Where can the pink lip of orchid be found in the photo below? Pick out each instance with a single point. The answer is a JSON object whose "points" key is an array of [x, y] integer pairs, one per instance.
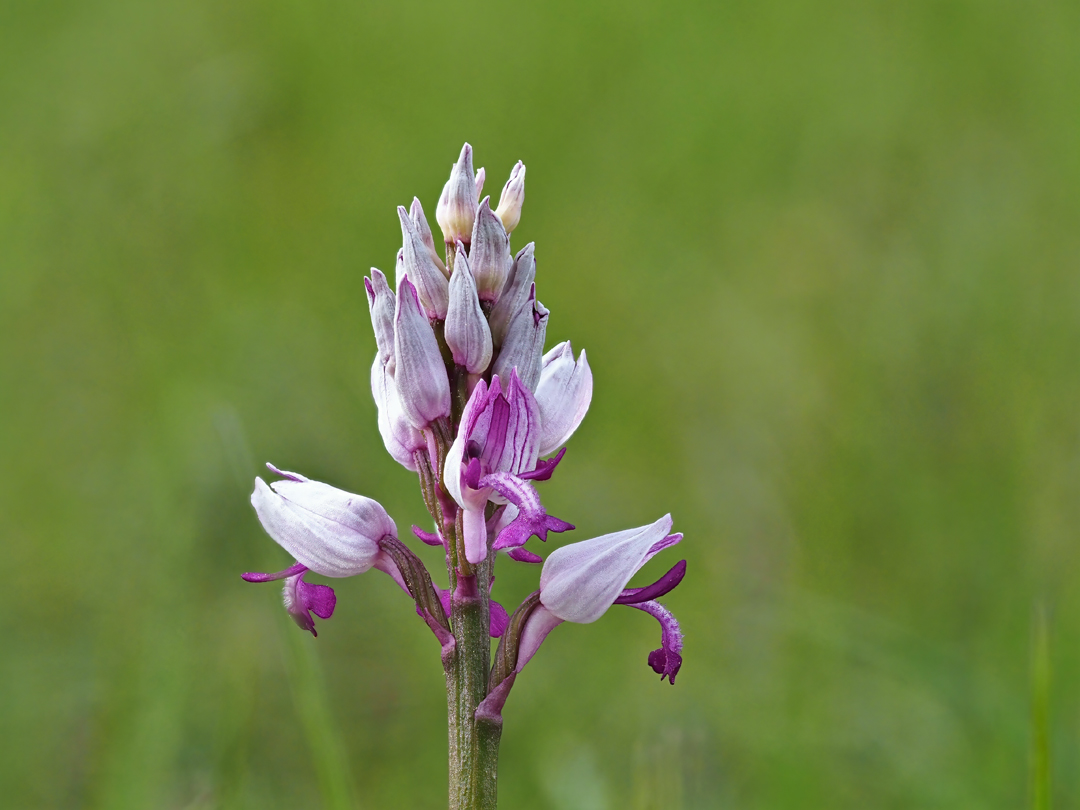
{"points": [[469, 401]]}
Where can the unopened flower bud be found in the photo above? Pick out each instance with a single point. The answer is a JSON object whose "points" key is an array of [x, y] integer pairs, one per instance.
{"points": [[514, 292], [563, 395], [456, 210], [381, 304], [420, 267], [489, 255], [416, 214], [467, 333], [512, 198], [420, 376], [523, 346]]}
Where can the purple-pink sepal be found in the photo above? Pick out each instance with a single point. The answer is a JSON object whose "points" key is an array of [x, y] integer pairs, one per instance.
{"points": [[430, 538], [666, 583], [291, 571], [522, 554], [544, 468]]}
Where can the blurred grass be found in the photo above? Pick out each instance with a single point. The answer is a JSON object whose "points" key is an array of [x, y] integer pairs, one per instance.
{"points": [[823, 257]]}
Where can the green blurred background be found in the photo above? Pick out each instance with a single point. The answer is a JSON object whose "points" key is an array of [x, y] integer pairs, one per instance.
{"points": [[824, 259]]}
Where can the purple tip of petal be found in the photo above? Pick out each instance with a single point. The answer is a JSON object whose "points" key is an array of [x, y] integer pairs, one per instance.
{"points": [[666, 583], [665, 663], [291, 571], [370, 289], [544, 468], [667, 542], [319, 599], [473, 473], [500, 620], [427, 537], [668, 659], [524, 555]]}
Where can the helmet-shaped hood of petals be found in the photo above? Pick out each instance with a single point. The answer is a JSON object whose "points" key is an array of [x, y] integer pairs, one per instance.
{"points": [[499, 427], [332, 532], [582, 580], [505, 425]]}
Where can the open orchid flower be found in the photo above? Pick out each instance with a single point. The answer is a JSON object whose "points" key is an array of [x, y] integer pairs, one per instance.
{"points": [[496, 444], [469, 401], [578, 583]]}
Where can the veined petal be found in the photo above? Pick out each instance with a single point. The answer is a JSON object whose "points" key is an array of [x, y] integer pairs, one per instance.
{"points": [[563, 395], [514, 292], [467, 333], [456, 210], [421, 378], [381, 303], [581, 581], [401, 439], [489, 255], [332, 532], [420, 267], [523, 346], [416, 214]]}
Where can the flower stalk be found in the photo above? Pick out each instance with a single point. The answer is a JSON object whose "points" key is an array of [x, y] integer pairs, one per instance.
{"points": [[470, 402]]}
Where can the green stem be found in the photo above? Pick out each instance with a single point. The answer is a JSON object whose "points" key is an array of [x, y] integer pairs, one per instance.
{"points": [[474, 745]]}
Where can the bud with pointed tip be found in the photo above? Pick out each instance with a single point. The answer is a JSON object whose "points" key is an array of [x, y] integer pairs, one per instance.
{"points": [[512, 198], [416, 214], [456, 210], [563, 395], [489, 255], [467, 333], [421, 379], [419, 266], [381, 304], [523, 346], [514, 292]]}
